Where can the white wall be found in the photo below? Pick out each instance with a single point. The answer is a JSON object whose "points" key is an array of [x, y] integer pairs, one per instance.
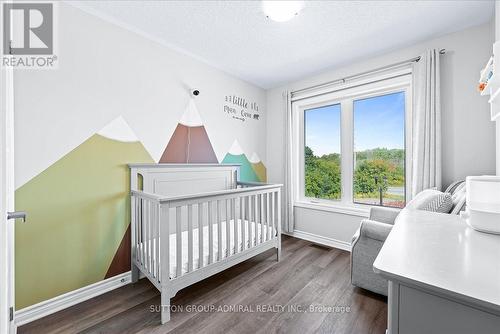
{"points": [[106, 71], [497, 37], [498, 146], [497, 20], [468, 134]]}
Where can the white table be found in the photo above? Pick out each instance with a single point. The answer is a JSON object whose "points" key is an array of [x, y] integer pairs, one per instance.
{"points": [[444, 277]]}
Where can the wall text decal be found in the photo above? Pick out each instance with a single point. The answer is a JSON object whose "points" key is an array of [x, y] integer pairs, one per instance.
{"points": [[241, 109]]}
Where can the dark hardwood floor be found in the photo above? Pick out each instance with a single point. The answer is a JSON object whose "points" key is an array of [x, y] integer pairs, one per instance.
{"points": [[307, 274]]}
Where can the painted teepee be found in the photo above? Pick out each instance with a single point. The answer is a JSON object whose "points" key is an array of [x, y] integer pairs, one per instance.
{"points": [[236, 155], [258, 167], [190, 142]]}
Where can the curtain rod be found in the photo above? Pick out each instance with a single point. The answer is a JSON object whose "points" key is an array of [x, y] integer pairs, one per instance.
{"points": [[362, 74]]}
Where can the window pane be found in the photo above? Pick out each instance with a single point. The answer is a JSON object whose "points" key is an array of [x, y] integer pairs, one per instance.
{"points": [[379, 155], [322, 152]]}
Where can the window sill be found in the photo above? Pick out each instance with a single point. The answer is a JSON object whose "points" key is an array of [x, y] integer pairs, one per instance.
{"points": [[352, 210]]}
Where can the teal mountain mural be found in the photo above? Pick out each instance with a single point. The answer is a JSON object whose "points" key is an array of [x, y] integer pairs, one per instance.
{"points": [[236, 155]]}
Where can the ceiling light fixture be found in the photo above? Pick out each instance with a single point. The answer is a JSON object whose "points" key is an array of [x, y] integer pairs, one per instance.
{"points": [[281, 11]]}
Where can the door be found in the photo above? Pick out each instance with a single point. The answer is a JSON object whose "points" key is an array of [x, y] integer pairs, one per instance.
{"points": [[7, 202]]}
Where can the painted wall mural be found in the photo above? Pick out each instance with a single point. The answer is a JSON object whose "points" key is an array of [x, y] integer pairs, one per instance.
{"points": [[258, 167], [79, 217], [189, 142], [79, 206], [236, 155]]}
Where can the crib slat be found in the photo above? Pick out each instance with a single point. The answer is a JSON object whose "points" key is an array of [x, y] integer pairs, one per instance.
{"points": [[143, 232], [228, 228], [143, 216], [256, 218], [268, 216], [262, 217], [210, 233], [145, 235], [273, 212], [164, 236], [243, 224], [278, 220], [190, 238], [151, 244], [157, 240], [200, 236], [178, 233], [219, 232], [250, 215], [136, 227], [139, 221], [265, 219], [236, 223], [277, 214], [148, 237], [250, 219]]}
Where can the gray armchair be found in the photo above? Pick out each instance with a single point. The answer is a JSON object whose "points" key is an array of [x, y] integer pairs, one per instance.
{"points": [[366, 245], [371, 235]]}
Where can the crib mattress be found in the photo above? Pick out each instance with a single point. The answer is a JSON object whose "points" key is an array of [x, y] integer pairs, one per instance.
{"points": [[196, 255]]}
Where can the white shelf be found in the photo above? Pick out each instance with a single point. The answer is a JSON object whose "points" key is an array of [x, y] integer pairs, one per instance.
{"points": [[494, 92], [495, 106], [489, 86], [493, 86], [486, 70], [494, 101], [485, 91]]}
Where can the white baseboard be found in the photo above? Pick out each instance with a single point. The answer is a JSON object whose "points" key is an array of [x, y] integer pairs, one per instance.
{"points": [[318, 239], [42, 309]]}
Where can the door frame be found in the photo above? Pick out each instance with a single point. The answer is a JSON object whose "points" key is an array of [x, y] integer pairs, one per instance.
{"points": [[7, 322]]}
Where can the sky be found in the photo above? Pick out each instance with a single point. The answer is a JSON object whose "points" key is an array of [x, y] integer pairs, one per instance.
{"points": [[378, 122]]}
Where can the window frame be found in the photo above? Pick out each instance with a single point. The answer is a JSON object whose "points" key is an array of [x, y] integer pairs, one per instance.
{"points": [[345, 96]]}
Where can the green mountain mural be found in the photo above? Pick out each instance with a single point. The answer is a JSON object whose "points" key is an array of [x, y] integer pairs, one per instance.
{"points": [[258, 167], [78, 217], [236, 155]]}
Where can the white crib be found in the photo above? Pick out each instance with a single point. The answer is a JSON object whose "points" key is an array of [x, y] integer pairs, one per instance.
{"points": [[191, 221]]}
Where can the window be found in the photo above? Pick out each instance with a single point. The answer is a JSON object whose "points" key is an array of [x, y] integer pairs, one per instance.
{"points": [[322, 152], [379, 154], [350, 144]]}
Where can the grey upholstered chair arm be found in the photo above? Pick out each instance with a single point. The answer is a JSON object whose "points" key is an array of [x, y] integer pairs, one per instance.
{"points": [[374, 230], [384, 215], [355, 238]]}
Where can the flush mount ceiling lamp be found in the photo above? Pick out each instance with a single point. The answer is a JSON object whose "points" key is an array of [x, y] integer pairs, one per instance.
{"points": [[281, 11]]}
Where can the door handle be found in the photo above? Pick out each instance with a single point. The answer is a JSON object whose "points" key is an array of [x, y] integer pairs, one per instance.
{"points": [[17, 215]]}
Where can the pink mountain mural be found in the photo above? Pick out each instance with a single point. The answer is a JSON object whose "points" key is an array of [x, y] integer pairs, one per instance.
{"points": [[190, 142]]}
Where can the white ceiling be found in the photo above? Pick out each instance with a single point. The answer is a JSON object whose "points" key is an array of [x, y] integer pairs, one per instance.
{"points": [[237, 38]]}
